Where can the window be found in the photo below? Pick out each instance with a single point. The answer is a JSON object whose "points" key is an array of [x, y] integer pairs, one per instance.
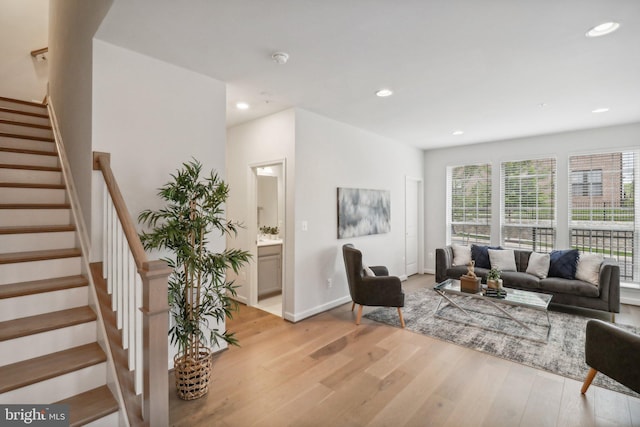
{"points": [[586, 183], [602, 208], [470, 204], [529, 204]]}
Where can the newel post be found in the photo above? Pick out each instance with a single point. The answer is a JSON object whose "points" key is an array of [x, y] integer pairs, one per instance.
{"points": [[155, 314]]}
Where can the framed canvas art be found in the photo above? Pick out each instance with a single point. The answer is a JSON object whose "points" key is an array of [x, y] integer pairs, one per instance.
{"points": [[363, 212]]}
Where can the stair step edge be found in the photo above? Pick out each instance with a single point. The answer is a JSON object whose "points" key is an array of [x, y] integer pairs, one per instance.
{"points": [[35, 206], [30, 167], [24, 113], [90, 405], [30, 137], [30, 229], [31, 325], [13, 290], [27, 372], [16, 257]]}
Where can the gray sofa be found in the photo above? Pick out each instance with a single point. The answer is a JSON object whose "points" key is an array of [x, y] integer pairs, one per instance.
{"points": [[605, 297]]}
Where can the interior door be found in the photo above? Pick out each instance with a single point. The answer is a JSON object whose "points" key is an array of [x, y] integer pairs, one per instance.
{"points": [[411, 227]]}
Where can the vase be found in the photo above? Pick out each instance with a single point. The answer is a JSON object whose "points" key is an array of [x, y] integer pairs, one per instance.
{"points": [[192, 374], [494, 284]]}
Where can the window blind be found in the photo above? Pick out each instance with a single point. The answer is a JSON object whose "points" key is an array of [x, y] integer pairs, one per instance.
{"points": [[470, 204]]}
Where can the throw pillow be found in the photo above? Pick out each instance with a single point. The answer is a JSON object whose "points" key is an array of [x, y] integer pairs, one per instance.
{"points": [[563, 263], [368, 271], [461, 254], [503, 259], [480, 254], [588, 269], [539, 264]]}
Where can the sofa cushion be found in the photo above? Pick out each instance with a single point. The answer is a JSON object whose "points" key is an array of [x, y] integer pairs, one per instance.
{"points": [[459, 270], [563, 263], [461, 254], [516, 279], [588, 269], [539, 264], [567, 286], [480, 254], [503, 260]]}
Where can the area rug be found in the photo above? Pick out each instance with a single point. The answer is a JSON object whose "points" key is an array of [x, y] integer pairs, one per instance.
{"points": [[492, 332]]}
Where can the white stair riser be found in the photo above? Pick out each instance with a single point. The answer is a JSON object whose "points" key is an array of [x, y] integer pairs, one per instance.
{"points": [[31, 305], [32, 195], [23, 118], [39, 270], [27, 144], [60, 387], [28, 159], [22, 107], [25, 130], [36, 241], [30, 176], [9, 217], [110, 420], [36, 345]]}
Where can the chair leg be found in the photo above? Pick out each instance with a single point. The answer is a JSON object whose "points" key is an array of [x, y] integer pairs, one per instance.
{"points": [[353, 305], [587, 381], [359, 315], [401, 317]]}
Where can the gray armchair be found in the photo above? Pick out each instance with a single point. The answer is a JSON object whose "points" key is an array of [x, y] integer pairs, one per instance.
{"points": [[379, 290], [614, 352]]}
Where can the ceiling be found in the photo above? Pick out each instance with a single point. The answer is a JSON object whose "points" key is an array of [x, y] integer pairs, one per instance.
{"points": [[496, 69]]}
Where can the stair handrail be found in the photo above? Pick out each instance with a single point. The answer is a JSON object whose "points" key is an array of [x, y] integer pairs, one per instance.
{"points": [[154, 305]]}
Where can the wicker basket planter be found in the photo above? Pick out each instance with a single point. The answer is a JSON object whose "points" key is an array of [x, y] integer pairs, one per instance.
{"points": [[192, 376]]}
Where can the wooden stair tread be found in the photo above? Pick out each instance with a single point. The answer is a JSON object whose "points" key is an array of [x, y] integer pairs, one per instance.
{"points": [[32, 185], [20, 101], [24, 113], [35, 206], [42, 368], [90, 405], [27, 229], [30, 125], [33, 138], [41, 286], [16, 257], [23, 151], [31, 325], [30, 167]]}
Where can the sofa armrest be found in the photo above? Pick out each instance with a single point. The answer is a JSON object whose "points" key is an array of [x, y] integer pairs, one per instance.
{"points": [[610, 284], [444, 261], [379, 270]]}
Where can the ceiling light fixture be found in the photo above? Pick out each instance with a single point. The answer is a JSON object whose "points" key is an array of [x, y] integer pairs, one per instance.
{"points": [[600, 110], [280, 57], [458, 132], [383, 93], [603, 29], [242, 106]]}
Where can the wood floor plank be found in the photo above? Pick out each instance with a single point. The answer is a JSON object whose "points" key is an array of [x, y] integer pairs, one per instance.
{"points": [[634, 409], [576, 409], [611, 407], [543, 405], [514, 393]]}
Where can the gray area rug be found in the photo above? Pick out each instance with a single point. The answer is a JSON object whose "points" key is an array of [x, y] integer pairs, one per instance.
{"points": [[494, 333]]}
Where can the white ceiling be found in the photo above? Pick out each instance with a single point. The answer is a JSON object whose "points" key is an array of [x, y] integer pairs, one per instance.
{"points": [[482, 66]]}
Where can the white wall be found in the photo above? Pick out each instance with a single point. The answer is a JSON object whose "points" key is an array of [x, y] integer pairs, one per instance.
{"points": [[73, 24], [331, 154], [560, 146], [262, 141], [152, 117]]}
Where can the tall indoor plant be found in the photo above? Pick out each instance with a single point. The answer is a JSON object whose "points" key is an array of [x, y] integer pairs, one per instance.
{"points": [[199, 293]]}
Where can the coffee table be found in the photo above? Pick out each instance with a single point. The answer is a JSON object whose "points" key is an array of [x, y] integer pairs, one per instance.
{"points": [[450, 289]]}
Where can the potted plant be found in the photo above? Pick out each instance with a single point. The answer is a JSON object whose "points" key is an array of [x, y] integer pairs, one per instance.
{"points": [[199, 293], [493, 279], [272, 232]]}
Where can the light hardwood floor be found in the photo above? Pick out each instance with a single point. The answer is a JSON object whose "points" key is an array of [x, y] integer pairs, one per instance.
{"points": [[326, 371]]}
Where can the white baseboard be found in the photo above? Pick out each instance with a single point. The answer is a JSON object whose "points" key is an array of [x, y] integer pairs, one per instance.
{"points": [[296, 317], [630, 296], [428, 271], [241, 299], [403, 277]]}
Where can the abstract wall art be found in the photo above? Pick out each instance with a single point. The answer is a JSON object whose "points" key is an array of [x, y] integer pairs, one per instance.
{"points": [[363, 212]]}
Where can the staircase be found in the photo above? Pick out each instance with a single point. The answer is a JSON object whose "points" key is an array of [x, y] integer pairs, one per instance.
{"points": [[48, 332]]}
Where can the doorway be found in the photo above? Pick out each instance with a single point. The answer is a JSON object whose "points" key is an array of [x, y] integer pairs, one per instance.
{"points": [[414, 241], [267, 276]]}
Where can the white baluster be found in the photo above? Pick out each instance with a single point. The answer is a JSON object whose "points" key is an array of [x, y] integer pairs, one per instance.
{"points": [[105, 228], [109, 254], [139, 327], [125, 292]]}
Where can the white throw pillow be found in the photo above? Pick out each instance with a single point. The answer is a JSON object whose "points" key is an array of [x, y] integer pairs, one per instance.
{"points": [[539, 264], [589, 268], [368, 271], [461, 254], [503, 259]]}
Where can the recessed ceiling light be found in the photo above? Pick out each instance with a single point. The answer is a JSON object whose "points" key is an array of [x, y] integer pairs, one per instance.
{"points": [[600, 110], [458, 132], [384, 93], [603, 29], [242, 106]]}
